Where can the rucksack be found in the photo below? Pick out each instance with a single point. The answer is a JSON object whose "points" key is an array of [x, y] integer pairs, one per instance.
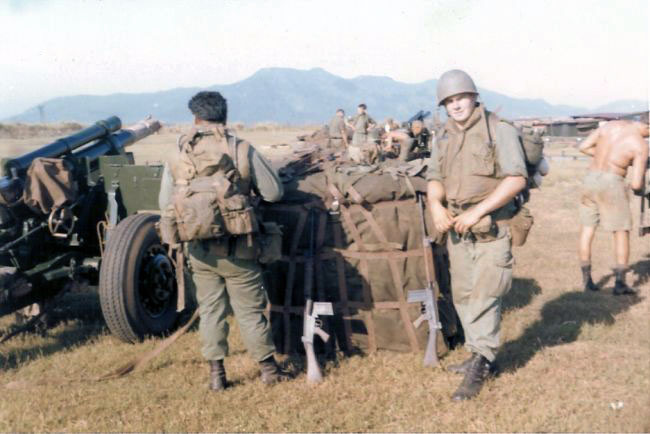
{"points": [[532, 143], [212, 205]]}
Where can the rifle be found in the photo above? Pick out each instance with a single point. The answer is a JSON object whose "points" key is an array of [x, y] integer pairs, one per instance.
{"points": [[427, 297], [312, 324]]}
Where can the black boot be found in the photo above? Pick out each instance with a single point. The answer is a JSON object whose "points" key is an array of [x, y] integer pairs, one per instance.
{"points": [[477, 373], [620, 287], [461, 368], [218, 380], [271, 372], [587, 283]]}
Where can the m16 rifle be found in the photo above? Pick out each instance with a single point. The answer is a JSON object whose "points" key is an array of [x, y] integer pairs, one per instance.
{"points": [[427, 297], [311, 323], [72, 211]]}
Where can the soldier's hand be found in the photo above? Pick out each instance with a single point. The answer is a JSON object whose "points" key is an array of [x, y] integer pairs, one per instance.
{"points": [[464, 221], [443, 220]]}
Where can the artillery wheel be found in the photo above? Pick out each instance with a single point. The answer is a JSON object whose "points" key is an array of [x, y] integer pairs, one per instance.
{"points": [[137, 285]]}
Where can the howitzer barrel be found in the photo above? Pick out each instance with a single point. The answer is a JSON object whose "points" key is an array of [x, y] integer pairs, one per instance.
{"points": [[121, 139], [64, 145]]}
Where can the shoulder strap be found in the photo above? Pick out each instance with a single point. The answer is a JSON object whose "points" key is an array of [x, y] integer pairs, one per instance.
{"points": [[238, 150]]}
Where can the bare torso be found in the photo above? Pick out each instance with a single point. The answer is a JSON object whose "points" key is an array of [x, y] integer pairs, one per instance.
{"points": [[615, 146]]}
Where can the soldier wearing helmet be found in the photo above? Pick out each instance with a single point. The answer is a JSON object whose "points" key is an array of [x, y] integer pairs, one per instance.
{"points": [[476, 170]]}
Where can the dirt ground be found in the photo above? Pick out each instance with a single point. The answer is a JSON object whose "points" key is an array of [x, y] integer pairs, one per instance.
{"points": [[571, 361]]}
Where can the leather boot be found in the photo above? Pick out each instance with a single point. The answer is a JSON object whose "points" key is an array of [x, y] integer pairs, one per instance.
{"points": [[587, 283], [218, 380], [460, 368], [477, 373], [620, 287], [271, 372]]}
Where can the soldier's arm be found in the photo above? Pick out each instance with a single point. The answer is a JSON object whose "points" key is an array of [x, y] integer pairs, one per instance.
{"points": [[588, 145], [264, 177], [639, 164], [512, 168]]}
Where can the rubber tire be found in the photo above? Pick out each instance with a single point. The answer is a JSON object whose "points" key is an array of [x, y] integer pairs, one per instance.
{"points": [[118, 281]]}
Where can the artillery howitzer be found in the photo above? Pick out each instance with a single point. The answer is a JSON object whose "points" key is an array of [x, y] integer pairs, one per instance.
{"points": [[71, 211]]}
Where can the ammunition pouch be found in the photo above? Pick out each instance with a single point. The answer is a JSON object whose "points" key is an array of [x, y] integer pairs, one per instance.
{"points": [[520, 225]]}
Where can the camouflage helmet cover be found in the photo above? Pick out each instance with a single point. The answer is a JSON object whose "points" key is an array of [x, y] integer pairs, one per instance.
{"points": [[454, 82]]}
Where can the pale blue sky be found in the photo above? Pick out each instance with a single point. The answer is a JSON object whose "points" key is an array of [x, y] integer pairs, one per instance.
{"points": [[575, 52]]}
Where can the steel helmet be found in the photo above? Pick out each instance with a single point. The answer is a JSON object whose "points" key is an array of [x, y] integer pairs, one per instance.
{"points": [[454, 82]]}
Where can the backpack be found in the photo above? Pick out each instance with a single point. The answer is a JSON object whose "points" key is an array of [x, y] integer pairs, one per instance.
{"points": [[214, 204], [532, 143]]}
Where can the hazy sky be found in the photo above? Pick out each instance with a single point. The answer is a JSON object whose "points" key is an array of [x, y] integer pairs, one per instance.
{"points": [[579, 52]]}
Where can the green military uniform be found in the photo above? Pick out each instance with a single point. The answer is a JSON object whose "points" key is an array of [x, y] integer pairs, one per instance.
{"points": [[361, 122], [470, 163], [225, 271], [416, 146], [337, 127]]}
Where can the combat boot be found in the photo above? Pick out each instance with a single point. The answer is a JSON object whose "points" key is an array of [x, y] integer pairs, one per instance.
{"points": [[477, 373], [587, 283], [271, 372], [620, 287], [461, 368], [218, 380]]}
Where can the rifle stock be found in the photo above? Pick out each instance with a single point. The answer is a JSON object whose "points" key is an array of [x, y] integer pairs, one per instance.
{"points": [[427, 297], [311, 323]]}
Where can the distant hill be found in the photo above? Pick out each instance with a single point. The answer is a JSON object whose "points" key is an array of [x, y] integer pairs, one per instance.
{"points": [[623, 106], [282, 95]]}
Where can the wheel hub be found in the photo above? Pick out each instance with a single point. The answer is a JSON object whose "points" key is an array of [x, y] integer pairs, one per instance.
{"points": [[158, 282]]}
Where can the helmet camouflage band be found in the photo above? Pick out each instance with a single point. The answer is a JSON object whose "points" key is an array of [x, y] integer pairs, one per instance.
{"points": [[454, 82]]}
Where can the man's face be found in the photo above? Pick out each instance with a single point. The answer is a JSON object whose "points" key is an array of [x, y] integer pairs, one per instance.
{"points": [[360, 110], [460, 107], [340, 114]]}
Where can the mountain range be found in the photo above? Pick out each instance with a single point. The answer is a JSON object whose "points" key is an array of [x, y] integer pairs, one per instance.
{"points": [[292, 96]]}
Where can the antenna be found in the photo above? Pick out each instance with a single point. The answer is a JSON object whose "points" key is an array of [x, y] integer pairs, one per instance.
{"points": [[41, 113]]}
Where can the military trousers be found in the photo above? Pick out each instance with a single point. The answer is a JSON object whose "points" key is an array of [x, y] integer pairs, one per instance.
{"points": [[225, 284], [481, 274]]}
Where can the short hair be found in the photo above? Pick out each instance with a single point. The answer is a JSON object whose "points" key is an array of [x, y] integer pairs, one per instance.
{"points": [[340, 111], [363, 106], [209, 106]]}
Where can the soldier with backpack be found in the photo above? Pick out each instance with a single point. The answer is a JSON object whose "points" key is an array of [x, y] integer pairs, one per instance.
{"points": [[476, 170], [207, 202]]}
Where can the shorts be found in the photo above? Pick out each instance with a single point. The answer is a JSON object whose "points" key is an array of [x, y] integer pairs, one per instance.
{"points": [[605, 200]]}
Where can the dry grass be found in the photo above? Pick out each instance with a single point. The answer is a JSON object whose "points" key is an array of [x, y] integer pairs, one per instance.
{"points": [[566, 356]]}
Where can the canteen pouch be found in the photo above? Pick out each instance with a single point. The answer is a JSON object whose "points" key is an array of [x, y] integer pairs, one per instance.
{"points": [[520, 225]]}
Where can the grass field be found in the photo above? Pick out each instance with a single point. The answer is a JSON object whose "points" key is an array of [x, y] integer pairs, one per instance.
{"points": [[571, 361]]}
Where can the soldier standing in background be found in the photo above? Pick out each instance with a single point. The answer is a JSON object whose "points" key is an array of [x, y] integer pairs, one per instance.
{"points": [[337, 130], [474, 177], [360, 124], [225, 270], [615, 146]]}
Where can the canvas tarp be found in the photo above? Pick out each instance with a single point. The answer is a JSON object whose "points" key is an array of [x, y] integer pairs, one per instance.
{"points": [[368, 255]]}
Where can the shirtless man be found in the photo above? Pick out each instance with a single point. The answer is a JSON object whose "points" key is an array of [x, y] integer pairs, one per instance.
{"points": [[615, 146]]}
